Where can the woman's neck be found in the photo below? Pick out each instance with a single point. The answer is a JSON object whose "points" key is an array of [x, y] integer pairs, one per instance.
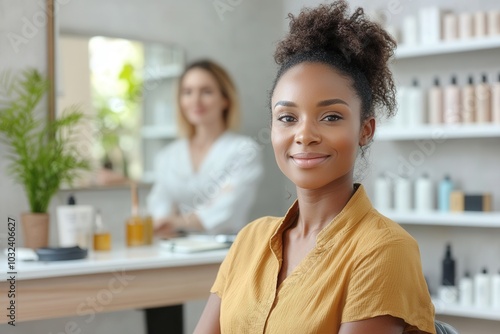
{"points": [[207, 134], [319, 207]]}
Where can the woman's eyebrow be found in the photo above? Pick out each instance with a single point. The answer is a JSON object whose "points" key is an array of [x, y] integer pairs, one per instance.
{"points": [[324, 103], [330, 102], [285, 104]]}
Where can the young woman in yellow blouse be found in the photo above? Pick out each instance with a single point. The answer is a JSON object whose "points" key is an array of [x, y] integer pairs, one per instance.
{"points": [[333, 264]]}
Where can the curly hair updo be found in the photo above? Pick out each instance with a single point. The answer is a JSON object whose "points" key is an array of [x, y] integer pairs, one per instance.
{"points": [[352, 45]]}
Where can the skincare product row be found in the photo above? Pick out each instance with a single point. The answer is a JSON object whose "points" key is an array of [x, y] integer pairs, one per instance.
{"points": [[481, 291], [434, 25], [472, 102], [78, 225], [139, 228], [422, 195]]}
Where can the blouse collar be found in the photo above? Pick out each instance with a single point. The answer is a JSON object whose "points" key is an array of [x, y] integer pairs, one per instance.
{"points": [[356, 208]]}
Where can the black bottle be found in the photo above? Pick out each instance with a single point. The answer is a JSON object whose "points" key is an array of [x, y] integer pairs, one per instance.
{"points": [[448, 268]]}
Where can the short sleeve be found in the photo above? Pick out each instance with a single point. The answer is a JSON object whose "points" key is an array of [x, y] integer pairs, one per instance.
{"points": [[388, 280]]}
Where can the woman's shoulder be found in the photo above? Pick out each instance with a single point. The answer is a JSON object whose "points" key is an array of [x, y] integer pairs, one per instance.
{"points": [[173, 147], [260, 229], [239, 141], [380, 229]]}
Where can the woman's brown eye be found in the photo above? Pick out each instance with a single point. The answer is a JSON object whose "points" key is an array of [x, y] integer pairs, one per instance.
{"points": [[332, 118], [286, 119]]}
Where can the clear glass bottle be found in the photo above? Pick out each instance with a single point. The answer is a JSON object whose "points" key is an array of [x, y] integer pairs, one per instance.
{"points": [[102, 236]]}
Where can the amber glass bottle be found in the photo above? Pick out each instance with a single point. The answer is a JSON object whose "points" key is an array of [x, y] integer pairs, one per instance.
{"points": [[135, 224]]}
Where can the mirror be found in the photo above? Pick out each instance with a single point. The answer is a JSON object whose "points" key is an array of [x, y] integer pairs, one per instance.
{"points": [[126, 87]]}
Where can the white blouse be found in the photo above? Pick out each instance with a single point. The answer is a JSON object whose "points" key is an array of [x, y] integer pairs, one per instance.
{"points": [[220, 193]]}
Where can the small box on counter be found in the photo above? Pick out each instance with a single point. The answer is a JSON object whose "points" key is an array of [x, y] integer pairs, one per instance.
{"points": [[460, 201]]}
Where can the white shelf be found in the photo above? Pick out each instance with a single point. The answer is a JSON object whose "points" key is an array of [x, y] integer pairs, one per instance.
{"points": [[436, 132], [468, 312], [466, 219], [159, 132], [164, 72], [473, 44]]}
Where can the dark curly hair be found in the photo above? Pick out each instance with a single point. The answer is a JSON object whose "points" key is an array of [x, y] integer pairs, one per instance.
{"points": [[352, 45]]}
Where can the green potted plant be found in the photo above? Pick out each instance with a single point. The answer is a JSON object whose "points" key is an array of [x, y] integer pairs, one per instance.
{"points": [[43, 153]]}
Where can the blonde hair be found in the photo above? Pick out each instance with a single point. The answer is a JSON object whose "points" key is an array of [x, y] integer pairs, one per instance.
{"points": [[231, 114]]}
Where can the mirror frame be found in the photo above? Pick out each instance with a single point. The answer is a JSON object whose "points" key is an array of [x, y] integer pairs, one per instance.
{"points": [[51, 59]]}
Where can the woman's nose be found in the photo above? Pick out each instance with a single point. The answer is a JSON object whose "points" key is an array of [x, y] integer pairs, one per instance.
{"points": [[196, 98], [307, 133]]}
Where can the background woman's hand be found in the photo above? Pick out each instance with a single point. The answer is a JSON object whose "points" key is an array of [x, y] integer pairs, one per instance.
{"points": [[168, 227]]}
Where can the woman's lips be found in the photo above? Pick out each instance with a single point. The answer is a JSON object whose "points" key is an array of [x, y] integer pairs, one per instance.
{"points": [[308, 160]]}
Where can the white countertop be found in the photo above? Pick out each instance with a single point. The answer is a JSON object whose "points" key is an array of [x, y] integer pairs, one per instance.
{"points": [[126, 259]]}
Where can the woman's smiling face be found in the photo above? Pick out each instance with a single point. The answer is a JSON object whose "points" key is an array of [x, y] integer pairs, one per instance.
{"points": [[316, 125]]}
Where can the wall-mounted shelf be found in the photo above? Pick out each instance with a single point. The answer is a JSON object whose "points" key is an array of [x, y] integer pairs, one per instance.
{"points": [[159, 132], [473, 44], [466, 219], [438, 132], [468, 312], [121, 186]]}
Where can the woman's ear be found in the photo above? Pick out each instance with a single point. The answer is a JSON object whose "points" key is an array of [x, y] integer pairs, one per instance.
{"points": [[367, 131]]}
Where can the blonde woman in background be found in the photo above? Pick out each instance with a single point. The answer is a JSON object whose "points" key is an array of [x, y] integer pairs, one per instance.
{"points": [[207, 180]]}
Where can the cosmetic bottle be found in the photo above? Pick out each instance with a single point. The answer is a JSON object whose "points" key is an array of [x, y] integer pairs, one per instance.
{"points": [[465, 26], [383, 193], [135, 225], [401, 117], [468, 102], [102, 236], [495, 101], [480, 24], [483, 101], [466, 290], [448, 292], [493, 22], [402, 194], [74, 224], [444, 192], [435, 103], [429, 24], [424, 194], [482, 289], [452, 103], [410, 31], [450, 27], [495, 291], [415, 105]]}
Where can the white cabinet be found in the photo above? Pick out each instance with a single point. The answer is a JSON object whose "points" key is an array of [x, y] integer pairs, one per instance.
{"points": [[163, 66], [471, 152]]}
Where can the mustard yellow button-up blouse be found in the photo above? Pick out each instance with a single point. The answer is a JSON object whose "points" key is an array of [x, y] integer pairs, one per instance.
{"points": [[364, 265]]}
